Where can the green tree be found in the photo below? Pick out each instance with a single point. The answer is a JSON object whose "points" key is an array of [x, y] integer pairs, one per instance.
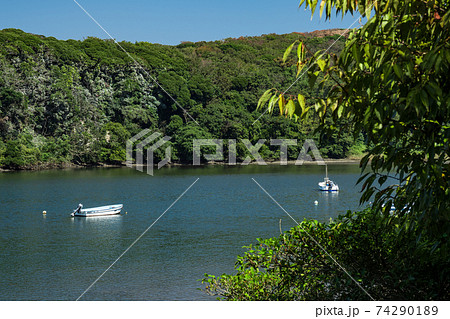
{"points": [[392, 82], [2, 151], [184, 138], [114, 144], [11, 108], [294, 267], [175, 88], [201, 89], [174, 125], [83, 85], [20, 152], [56, 150]]}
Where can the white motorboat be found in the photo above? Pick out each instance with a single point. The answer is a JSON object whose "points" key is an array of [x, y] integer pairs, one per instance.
{"points": [[328, 185], [97, 211]]}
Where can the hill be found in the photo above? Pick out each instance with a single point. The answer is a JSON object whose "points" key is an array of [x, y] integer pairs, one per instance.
{"points": [[77, 102]]}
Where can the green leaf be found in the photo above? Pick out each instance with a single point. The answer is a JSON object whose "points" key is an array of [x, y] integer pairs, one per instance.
{"points": [[329, 7], [301, 101], [298, 110], [281, 103], [322, 4], [290, 108], [271, 104], [340, 109], [312, 77], [334, 105], [305, 112], [424, 99], [313, 7], [386, 6], [288, 51], [322, 64], [317, 106], [378, 114], [299, 68], [264, 98], [398, 71], [300, 51], [355, 53]]}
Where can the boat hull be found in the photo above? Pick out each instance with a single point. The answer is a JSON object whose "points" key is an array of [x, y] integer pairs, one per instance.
{"points": [[323, 187], [328, 185], [329, 190], [98, 211]]}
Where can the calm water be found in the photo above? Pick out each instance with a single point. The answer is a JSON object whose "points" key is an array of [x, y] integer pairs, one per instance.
{"points": [[55, 257]]}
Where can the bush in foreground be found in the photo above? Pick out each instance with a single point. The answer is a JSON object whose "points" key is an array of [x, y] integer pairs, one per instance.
{"points": [[388, 260]]}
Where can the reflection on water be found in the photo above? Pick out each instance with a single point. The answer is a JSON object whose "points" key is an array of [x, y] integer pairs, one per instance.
{"points": [[56, 257], [99, 220]]}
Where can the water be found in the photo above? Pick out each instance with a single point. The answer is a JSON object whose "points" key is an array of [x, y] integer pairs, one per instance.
{"points": [[55, 257]]}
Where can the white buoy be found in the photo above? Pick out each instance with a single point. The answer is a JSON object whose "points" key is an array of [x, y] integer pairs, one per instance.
{"points": [[44, 212], [316, 203]]}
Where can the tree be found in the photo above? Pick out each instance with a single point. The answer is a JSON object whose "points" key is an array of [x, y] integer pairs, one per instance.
{"points": [[11, 108], [67, 91], [184, 138], [392, 82], [115, 138], [293, 267], [20, 152]]}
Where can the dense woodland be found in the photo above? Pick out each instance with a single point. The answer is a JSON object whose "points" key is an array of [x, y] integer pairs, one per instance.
{"points": [[77, 102]]}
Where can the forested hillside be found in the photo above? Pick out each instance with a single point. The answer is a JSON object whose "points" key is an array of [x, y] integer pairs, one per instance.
{"points": [[77, 102]]}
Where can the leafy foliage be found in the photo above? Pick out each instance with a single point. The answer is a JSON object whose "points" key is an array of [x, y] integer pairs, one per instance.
{"points": [[115, 137], [391, 82], [293, 266], [389, 85], [76, 92]]}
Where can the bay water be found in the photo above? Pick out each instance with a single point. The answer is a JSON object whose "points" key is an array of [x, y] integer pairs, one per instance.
{"points": [[56, 257]]}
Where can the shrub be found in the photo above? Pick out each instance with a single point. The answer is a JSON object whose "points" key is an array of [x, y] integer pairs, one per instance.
{"points": [[386, 261]]}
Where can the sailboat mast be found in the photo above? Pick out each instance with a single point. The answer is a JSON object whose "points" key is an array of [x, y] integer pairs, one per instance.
{"points": [[326, 171]]}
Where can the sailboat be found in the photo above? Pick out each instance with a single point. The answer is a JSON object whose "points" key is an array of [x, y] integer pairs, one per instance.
{"points": [[328, 185]]}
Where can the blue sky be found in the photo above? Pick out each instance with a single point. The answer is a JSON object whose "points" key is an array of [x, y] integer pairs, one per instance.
{"points": [[163, 21]]}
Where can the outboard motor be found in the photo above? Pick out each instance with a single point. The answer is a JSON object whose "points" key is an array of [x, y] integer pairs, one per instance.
{"points": [[80, 206]]}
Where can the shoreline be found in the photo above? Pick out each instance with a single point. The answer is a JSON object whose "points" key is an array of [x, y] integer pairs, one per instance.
{"points": [[69, 166]]}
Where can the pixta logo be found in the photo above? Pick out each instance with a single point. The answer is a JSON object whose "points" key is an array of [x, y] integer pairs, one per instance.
{"points": [[143, 141], [308, 147], [153, 141]]}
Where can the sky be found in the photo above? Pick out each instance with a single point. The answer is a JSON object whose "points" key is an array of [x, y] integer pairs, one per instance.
{"points": [[163, 21]]}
